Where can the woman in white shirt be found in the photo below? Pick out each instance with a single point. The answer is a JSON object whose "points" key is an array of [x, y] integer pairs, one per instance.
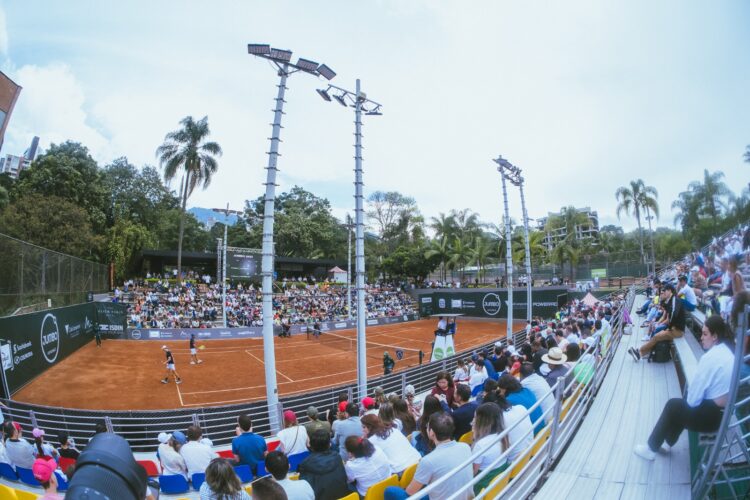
{"points": [[294, 436], [170, 458], [401, 454], [702, 409], [368, 464], [488, 423]]}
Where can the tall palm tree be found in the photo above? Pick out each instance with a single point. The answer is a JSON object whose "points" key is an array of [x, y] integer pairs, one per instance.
{"points": [[466, 223], [441, 249], [460, 255], [709, 194], [186, 151], [444, 226], [480, 253], [633, 200]]}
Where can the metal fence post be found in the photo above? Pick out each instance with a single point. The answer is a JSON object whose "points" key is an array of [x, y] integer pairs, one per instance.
{"points": [[403, 384], [350, 394], [560, 389], [108, 423], [194, 417], [444, 364], [32, 417]]}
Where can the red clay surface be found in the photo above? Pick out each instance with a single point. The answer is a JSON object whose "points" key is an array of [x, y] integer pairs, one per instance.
{"points": [[125, 374]]}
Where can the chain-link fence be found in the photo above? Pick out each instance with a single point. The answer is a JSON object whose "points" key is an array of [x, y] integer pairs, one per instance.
{"points": [[33, 277]]}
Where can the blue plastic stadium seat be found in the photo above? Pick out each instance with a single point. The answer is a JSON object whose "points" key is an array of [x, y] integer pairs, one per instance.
{"points": [[173, 484], [198, 479], [62, 483], [27, 477], [7, 472], [262, 469], [295, 460], [244, 473]]}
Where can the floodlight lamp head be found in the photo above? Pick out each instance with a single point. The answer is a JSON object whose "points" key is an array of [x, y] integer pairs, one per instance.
{"points": [[258, 49], [374, 112], [281, 55], [326, 72], [307, 65], [340, 99], [324, 94]]}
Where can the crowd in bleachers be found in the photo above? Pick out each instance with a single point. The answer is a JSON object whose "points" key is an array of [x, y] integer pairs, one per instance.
{"points": [[160, 304]]}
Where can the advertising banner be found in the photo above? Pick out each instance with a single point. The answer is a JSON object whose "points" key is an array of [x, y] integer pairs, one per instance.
{"points": [[32, 343], [243, 263], [488, 303], [112, 319], [251, 331]]}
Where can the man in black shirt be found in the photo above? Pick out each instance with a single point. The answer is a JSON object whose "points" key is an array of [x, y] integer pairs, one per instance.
{"points": [[170, 367], [675, 328], [193, 351]]}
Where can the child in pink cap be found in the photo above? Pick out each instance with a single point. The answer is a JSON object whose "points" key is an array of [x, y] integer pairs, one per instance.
{"points": [[44, 472], [43, 449]]}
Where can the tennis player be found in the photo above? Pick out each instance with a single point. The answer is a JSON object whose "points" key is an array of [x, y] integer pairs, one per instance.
{"points": [[194, 352], [170, 367]]}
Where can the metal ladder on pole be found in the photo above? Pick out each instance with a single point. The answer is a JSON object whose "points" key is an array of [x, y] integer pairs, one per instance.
{"points": [[726, 457]]}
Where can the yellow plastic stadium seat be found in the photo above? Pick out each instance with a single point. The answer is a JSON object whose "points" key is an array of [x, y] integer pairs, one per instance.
{"points": [[7, 492], [408, 475], [249, 490], [377, 490], [294, 476], [495, 491], [570, 402], [540, 440], [467, 438], [520, 464], [25, 495], [353, 496]]}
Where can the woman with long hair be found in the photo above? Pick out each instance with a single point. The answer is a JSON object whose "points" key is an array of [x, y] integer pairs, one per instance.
{"points": [[402, 413], [368, 464], [222, 482], [516, 394], [702, 408], [422, 443], [388, 417], [401, 454], [444, 386], [488, 423]]}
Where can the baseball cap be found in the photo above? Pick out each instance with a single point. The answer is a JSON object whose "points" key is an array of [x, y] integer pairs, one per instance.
{"points": [[43, 469], [409, 389], [312, 412], [17, 426], [368, 402], [163, 437], [37, 432], [164, 347], [343, 405], [290, 417], [498, 344], [179, 436]]}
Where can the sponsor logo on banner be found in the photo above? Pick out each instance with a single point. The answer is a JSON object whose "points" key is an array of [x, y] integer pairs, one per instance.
{"points": [[72, 331], [135, 334], [372, 322], [225, 333], [441, 303], [204, 334], [18, 355], [183, 334], [87, 325], [456, 303], [243, 332], [426, 300], [340, 325], [6, 356], [324, 327], [165, 335], [153, 334], [491, 304], [50, 336]]}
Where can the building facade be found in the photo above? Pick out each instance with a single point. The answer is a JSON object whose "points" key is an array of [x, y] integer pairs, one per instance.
{"points": [[588, 231]]}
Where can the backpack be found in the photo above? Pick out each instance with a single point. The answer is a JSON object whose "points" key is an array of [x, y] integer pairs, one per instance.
{"points": [[662, 352]]}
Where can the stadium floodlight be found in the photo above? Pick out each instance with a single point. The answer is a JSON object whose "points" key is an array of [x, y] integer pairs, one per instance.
{"points": [[281, 59], [361, 104], [258, 49], [281, 55], [324, 94], [326, 72], [307, 65], [341, 99]]}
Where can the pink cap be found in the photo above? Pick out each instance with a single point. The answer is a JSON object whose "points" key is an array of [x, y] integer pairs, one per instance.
{"points": [[43, 469], [290, 417], [17, 426], [343, 405], [37, 432], [368, 402]]}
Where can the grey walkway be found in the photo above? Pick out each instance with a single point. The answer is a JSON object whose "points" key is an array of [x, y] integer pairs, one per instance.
{"points": [[600, 463]]}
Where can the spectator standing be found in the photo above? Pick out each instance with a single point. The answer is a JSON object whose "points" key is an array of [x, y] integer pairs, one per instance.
{"points": [[293, 437], [197, 455], [446, 456], [315, 424], [248, 447], [345, 428], [222, 482], [399, 451], [323, 469], [367, 464], [278, 465]]}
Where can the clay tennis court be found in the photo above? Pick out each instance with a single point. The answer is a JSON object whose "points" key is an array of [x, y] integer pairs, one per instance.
{"points": [[125, 374]]}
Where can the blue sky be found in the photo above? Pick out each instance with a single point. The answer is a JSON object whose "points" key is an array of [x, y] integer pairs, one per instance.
{"points": [[582, 95]]}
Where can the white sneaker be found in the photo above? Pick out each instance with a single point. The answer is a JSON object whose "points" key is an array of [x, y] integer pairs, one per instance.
{"points": [[643, 451], [200, 361], [192, 362]]}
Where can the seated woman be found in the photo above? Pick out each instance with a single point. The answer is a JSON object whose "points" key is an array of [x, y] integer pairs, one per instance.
{"points": [[388, 417], [368, 464], [222, 482], [444, 385], [396, 447], [323, 468], [516, 394], [420, 440], [488, 423], [701, 410]]}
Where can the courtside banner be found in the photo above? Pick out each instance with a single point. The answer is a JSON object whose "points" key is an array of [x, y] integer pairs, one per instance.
{"points": [[488, 302], [252, 331], [112, 319], [32, 343]]}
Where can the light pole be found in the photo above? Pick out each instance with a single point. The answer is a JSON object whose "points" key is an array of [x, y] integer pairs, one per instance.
{"points": [[651, 238], [508, 252], [514, 176], [281, 59], [224, 261], [359, 101], [349, 227]]}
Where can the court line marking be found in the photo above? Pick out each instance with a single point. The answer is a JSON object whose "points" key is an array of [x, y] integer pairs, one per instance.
{"points": [[179, 394], [263, 363]]}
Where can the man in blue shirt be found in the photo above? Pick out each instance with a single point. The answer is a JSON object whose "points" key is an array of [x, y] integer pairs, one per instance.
{"points": [[248, 447]]}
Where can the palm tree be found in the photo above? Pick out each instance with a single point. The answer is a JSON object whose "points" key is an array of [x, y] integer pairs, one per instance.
{"points": [[444, 226], [441, 249], [480, 253], [565, 251], [466, 223], [460, 255], [633, 200], [571, 220], [186, 150], [709, 194]]}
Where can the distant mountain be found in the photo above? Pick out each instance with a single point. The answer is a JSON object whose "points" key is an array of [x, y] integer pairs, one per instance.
{"points": [[209, 217]]}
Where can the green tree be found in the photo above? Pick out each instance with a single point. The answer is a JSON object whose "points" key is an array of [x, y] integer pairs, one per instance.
{"points": [[634, 199], [51, 222], [440, 250], [444, 226], [4, 198], [187, 152], [125, 240], [711, 194], [480, 254], [460, 255]]}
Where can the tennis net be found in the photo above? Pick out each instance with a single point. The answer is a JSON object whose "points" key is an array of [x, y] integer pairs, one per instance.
{"points": [[375, 350]]}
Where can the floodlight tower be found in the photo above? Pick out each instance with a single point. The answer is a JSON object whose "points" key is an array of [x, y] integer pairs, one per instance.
{"points": [[281, 59], [223, 259], [359, 101], [502, 166]]}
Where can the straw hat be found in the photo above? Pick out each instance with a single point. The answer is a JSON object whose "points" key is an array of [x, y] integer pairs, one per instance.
{"points": [[555, 356]]}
